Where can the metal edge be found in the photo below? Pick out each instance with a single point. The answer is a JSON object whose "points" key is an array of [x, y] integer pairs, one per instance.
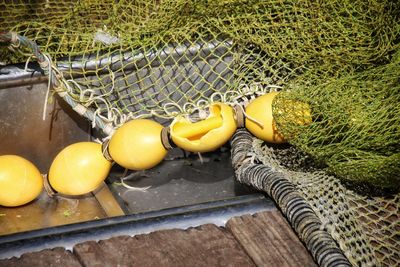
{"points": [[217, 212], [16, 75]]}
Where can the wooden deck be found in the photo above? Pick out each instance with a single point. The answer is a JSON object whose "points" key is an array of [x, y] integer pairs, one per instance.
{"points": [[263, 239]]}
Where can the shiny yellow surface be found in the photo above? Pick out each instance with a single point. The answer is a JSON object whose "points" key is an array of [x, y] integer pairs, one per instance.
{"points": [[189, 130], [79, 169], [20, 181], [260, 109], [137, 145], [218, 129]]}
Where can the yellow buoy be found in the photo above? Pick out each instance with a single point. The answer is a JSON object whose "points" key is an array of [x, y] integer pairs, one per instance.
{"points": [[78, 169], [260, 109], [137, 145], [294, 112], [206, 135], [20, 181]]}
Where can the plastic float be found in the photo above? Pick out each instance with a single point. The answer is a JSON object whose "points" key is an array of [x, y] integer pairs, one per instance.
{"points": [[138, 144]]}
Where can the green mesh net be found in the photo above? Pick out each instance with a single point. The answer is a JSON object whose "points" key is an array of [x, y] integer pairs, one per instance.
{"points": [[355, 128], [132, 58], [117, 60], [365, 227]]}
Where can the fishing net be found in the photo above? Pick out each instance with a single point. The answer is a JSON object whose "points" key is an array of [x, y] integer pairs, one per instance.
{"points": [[122, 59], [355, 124], [113, 61], [365, 227]]}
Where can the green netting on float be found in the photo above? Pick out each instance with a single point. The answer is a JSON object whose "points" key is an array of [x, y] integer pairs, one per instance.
{"points": [[355, 128]]}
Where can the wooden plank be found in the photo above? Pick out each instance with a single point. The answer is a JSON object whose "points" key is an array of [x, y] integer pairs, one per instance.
{"points": [[269, 240], [49, 257], [206, 245]]}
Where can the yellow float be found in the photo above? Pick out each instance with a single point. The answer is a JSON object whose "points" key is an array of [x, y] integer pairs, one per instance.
{"points": [[262, 123], [20, 181], [79, 169], [206, 135], [137, 145]]}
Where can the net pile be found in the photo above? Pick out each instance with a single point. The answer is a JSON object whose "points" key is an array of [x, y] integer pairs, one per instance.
{"points": [[366, 228], [355, 128], [125, 59], [118, 60]]}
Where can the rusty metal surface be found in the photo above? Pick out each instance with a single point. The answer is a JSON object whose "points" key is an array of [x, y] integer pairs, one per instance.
{"points": [[178, 181], [218, 212], [24, 133], [46, 212]]}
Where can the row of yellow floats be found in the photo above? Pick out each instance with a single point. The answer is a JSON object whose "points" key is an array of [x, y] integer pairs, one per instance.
{"points": [[137, 145]]}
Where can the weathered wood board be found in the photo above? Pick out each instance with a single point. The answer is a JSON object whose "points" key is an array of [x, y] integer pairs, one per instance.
{"points": [[206, 245], [57, 257], [264, 239], [269, 240]]}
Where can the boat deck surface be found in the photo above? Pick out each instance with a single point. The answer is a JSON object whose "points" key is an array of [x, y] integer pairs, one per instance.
{"points": [[262, 239]]}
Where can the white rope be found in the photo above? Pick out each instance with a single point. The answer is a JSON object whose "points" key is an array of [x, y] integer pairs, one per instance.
{"points": [[49, 66], [109, 130], [27, 63], [241, 97], [80, 109], [173, 113], [114, 118], [216, 94], [200, 158], [123, 178]]}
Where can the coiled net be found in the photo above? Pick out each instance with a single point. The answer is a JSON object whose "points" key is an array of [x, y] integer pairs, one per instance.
{"points": [[364, 227]]}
